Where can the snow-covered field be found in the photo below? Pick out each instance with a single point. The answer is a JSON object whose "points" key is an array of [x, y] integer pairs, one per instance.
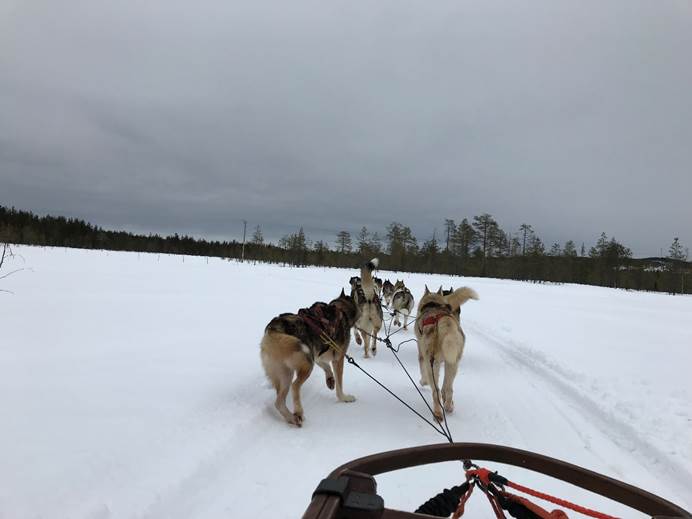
{"points": [[131, 387]]}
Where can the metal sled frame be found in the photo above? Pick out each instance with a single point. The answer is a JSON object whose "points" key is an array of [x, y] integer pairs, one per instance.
{"points": [[350, 491]]}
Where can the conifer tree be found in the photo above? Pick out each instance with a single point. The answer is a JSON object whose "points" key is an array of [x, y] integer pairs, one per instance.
{"points": [[527, 232], [463, 239], [257, 236], [450, 229], [570, 249], [343, 242], [487, 231], [363, 241], [375, 243], [536, 247], [676, 252]]}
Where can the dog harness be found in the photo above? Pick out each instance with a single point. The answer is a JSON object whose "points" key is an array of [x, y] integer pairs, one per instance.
{"points": [[432, 319], [442, 311], [314, 317]]}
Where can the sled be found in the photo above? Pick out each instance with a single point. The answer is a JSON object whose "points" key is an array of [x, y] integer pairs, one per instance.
{"points": [[350, 491]]}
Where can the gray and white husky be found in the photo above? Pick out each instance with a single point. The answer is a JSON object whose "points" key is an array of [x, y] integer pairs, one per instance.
{"points": [[369, 322], [402, 303], [387, 292]]}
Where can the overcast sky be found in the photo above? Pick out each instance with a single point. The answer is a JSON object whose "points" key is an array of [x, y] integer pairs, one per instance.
{"points": [[181, 116]]}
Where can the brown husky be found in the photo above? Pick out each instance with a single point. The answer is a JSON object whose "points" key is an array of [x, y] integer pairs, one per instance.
{"points": [[440, 339], [293, 343], [369, 308]]}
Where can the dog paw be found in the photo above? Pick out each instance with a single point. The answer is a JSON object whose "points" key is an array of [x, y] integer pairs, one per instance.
{"points": [[449, 407], [298, 419], [438, 415], [359, 341], [374, 352], [330, 382], [366, 356], [348, 398]]}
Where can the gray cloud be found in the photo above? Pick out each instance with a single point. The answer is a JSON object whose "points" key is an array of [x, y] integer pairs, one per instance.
{"points": [[175, 116]]}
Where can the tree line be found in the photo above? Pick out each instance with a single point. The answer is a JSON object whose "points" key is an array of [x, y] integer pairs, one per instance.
{"points": [[471, 247]]}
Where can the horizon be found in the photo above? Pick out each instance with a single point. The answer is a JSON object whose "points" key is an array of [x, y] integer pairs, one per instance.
{"points": [[331, 242]]}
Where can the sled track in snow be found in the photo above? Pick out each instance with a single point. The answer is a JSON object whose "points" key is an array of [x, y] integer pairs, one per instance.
{"points": [[621, 434], [206, 483], [187, 491]]}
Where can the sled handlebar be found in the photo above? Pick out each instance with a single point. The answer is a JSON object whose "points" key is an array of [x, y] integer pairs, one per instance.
{"points": [[350, 490]]}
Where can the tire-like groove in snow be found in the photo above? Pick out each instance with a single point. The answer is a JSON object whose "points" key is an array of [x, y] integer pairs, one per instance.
{"points": [[620, 433]]}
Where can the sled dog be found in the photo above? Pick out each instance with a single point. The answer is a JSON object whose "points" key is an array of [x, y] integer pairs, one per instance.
{"points": [[293, 343], [369, 309], [402, 303], [378, 286], [440, 340], [387, 292]]}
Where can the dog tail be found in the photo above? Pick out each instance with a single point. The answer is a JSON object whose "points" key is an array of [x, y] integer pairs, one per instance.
{"points": [[452, 345], [367, 282], [460, 296]]}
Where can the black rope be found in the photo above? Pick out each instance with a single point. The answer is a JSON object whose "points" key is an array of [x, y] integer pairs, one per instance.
{"points": [[445, 503], [441, 428], [395, 332], [351, 360], [439, 398], [425, 400], [398, 346], [392, 312]]}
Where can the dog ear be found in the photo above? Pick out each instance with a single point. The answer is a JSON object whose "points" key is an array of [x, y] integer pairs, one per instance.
{"points": [[426, 291], [439, 290], [343, 294]]}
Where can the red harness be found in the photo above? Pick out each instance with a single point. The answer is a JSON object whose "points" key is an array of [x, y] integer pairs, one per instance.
{"points": [[432, 319], [314, 317]]}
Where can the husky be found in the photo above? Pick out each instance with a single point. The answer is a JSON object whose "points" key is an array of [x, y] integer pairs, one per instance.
{"points": [[378, 286], [402, 303], [356, 286], [293, 343], [369, 308], [440, 339], [387, 292]]}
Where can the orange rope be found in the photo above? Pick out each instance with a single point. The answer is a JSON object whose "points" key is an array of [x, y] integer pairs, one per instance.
{"points": [[486, 478], [560, 502]]}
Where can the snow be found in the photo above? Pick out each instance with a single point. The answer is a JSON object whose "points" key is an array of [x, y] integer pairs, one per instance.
{"points": [[131, 387]]}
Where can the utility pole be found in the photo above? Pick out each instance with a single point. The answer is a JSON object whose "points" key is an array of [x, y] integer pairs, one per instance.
{"points": [[242, 254]]}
